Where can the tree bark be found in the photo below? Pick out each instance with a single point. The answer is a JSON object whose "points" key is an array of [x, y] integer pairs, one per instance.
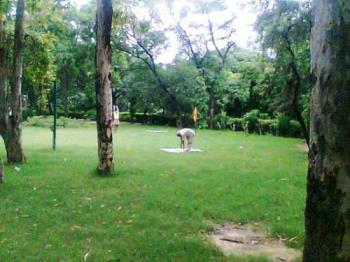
{"points": [[3, 77], [211, 109], [104, 104], [14, 133], [327, 214]]}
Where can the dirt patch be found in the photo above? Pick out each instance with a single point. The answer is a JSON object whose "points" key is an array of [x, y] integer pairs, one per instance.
{"points": [[303, 147], [245, 241]]}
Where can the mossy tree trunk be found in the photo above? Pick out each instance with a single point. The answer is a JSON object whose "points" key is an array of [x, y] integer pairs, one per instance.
{"points": [[11, 114], [327, 214], [2, 85], [104, 95], [3, 76], [13, 139]]}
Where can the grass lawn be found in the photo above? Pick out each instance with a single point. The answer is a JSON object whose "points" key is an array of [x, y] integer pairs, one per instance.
{"points": [[158, 207]]}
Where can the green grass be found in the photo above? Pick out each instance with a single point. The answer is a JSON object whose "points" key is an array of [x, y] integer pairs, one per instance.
{"points": [[158, 207]]}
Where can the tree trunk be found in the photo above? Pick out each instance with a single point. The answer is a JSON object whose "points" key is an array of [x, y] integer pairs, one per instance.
{"points": [[64, 82], [327, 214], [104, 94], [211, 109], [3, 77], [301, 121], [14, 144]]}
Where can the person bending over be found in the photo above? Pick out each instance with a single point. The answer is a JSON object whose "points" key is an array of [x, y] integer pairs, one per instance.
{"points": [[186, 136]]}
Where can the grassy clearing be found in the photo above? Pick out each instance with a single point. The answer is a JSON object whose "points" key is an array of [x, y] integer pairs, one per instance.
{"points": [[159, 205]]}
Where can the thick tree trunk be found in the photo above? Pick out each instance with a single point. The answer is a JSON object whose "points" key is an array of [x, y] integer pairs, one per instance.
{"points": [[104, 94], [3, 68], [14, 134], [3, 77], [327, 214]]}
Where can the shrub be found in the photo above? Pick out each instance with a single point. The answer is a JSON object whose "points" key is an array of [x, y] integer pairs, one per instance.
{"points": [[125, 117], [283, 125], [273, 128], [28, 112], [155, 119], [267, 126], [90, 115], [62, 122], [295, 129], [287, 127], [251, 119], [235, 122], [221, 121]]}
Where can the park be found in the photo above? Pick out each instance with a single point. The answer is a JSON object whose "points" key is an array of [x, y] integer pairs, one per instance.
{"points": [[209, 130]]}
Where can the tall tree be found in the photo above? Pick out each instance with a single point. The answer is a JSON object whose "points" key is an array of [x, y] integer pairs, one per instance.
{"points": [[11, 114], [3, 70], [139, 40], [2, 80], [327, 214], [14, 148], [196, 46], [284, 29], [104, 104]]}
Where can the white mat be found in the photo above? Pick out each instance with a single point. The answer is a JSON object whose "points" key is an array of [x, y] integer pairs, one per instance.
{"points": [[156, 131], [180, 150]]}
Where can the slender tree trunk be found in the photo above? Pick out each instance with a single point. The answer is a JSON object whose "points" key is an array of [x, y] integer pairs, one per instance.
{"points": [[103, 86], [327, 214], [211, 109], [64, 82], [14, 133]]}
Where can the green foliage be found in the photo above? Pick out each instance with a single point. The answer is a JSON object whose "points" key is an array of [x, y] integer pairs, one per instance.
{"points": [[288, 127], [283, 125], [284, 28], [62, 122], [155, 119], [221, 120], [251, 120], [60, 46]]}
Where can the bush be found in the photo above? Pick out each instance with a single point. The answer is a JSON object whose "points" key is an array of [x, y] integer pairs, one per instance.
{"points": [[155, 119], [28, 112], [237, 123], [251, 119], [287, 127], [90, 115], [295, 129], [62, 122], [221, 121], [283, 125], [267, 126]]}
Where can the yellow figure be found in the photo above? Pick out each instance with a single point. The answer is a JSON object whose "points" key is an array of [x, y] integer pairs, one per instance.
{"points": [[195, 116]]}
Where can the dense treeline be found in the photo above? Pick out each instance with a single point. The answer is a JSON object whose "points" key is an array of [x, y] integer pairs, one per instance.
{"points": [[209, 72]]}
